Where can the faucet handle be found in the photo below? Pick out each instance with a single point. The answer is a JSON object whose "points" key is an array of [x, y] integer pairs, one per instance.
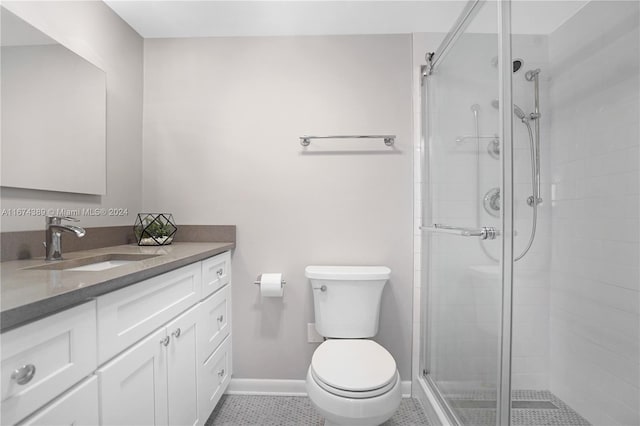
{"points": [[55, 220]]}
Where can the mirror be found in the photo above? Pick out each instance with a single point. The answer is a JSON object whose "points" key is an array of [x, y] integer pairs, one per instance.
{"points": [[53, 115]]}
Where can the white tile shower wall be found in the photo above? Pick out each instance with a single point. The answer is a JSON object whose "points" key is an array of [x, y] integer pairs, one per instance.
{"points": [[464, 289], [531, 288], [222, 118], [94, 31], [595, 282]]}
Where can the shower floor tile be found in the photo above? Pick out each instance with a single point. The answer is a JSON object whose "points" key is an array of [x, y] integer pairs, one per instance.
{"points": [[254, 410], [562, 416], [530, 408]]}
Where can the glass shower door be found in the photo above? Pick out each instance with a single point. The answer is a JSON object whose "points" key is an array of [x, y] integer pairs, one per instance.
{"points": [[461, 224]]}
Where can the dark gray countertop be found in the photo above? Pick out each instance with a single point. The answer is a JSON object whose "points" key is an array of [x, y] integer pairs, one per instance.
{"points": [[29, 294]]}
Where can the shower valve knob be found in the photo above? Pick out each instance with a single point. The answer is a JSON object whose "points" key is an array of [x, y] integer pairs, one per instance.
{"points": [[489, 233], [530, 201]]}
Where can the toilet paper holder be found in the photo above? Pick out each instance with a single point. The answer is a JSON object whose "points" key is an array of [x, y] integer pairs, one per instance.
{"points": [[259, 278]]}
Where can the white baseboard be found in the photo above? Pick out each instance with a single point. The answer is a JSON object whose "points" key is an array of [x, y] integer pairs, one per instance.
{"points": [[266, 387], [283, 387]]}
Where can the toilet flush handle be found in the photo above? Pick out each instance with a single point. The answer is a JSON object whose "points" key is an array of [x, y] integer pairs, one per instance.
{"points": [[323, 288]]}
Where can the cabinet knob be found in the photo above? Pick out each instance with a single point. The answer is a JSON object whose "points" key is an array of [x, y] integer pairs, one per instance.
{"points": [[220, 318], [176, 333], [24, 374], [165, 341], [221, 373], [220, 272]]}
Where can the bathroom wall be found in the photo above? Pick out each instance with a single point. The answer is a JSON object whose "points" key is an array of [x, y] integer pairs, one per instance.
{"points": [[95, 32], [222, 118], [595, 282]]}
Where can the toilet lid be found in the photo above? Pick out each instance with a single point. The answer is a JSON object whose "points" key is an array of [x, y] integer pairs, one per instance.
{"points": [[353, 364]]}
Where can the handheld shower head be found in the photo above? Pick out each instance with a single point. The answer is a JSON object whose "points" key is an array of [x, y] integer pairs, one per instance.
{"points": [[519, 112], [516, 110]]}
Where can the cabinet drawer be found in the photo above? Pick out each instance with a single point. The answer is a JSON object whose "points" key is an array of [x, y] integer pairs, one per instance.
{"points": [[216, 272], [78, 407], [215, 316], [127, 315], [215, 375], [61, 349]]}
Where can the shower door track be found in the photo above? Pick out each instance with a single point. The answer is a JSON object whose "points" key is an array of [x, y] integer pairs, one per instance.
{"points": [[444, 405], [466, 16]]}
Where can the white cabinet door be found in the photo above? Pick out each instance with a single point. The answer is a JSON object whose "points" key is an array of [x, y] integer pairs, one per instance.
{"points": [[182, 368], [42, 359], [78, 407], [133, 386], [215, 323]]}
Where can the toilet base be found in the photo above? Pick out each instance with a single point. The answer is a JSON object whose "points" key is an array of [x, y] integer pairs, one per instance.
{"points": [[329, 423], [341, 411]]}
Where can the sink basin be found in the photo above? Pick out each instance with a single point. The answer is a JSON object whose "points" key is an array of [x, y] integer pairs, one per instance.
{"points": [[101, 266], [96, 263]]}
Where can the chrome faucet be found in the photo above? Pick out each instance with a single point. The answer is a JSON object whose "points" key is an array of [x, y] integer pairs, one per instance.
{"points": [[53, 232]]}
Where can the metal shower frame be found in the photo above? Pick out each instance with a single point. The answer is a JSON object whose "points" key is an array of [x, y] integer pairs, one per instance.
{"points": [[503, 409]]}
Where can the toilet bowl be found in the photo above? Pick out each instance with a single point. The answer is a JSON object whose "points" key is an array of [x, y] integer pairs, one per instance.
{"points": [[352, 380]]}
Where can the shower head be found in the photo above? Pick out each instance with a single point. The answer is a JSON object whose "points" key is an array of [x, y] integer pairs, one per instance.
{"points": [[517, 63], [516, 110], [519, 112]]}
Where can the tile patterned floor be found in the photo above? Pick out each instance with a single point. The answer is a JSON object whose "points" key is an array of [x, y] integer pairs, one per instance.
{"points": [[245, 410]]}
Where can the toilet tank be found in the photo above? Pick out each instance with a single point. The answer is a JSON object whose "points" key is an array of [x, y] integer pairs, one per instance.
{"points": [[346, 299]]}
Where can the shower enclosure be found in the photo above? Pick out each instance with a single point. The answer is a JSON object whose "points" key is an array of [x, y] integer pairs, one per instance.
{"points": [[530, 215]]}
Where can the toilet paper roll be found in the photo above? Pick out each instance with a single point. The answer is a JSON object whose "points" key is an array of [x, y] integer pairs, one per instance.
{"points": [[271, 285]]}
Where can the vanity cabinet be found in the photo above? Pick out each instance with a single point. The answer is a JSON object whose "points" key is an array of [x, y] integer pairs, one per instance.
{"points": [[154, 353], [156, 381], [170, 376]]}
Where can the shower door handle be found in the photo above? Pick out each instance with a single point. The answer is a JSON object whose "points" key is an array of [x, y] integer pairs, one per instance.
{"points": [[484, 233]]}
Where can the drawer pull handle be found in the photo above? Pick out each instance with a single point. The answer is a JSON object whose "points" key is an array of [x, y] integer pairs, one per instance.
{"points": [[24, 374], [176, 333], [221, 373], [165, 341], [220, 318], [220, 272]]}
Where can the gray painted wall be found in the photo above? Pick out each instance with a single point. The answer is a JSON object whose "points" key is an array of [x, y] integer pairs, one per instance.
{"points": [[95, 32], [222, 119]]}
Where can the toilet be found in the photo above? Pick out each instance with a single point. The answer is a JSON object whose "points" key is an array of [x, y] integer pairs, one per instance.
{"points": [[352, 380]]}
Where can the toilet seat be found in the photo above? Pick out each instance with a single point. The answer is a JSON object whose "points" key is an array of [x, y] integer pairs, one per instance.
{"points": [[354, 394], [353, 368]]}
